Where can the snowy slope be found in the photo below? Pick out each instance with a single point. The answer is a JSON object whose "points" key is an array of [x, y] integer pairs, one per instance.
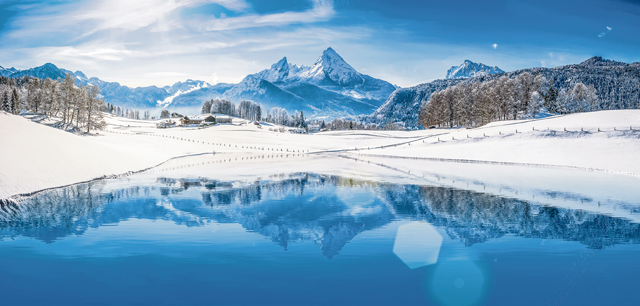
{"points": [[616, 85], [569, 140], [43, 157], [180, 88], [469, 69]]}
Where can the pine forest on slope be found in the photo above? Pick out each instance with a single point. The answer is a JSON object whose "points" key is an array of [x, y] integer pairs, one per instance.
{"points": [[617, 86]]}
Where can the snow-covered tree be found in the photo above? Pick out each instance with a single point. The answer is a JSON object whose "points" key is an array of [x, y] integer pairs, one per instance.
{"points": [[536, 101], [6, 103], [206, 107], [93, 107]]}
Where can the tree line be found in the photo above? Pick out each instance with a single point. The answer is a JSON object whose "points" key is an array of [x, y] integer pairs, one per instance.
{"points": [[127, 113], [78, 106], [523, 96], [251, 110]]}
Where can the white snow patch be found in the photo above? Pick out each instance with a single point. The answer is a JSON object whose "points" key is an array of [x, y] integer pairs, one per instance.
{"points": [[167, 101]]}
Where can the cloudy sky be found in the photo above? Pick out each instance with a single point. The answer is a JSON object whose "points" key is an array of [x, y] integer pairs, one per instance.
{"points": [[406, 42]]}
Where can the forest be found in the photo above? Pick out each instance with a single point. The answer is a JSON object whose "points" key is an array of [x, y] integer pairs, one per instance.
{"points": [[79, 107], [523, 96]]}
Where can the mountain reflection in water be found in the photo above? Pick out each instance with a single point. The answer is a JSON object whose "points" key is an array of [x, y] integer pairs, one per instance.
{"points": [[328, 210]]}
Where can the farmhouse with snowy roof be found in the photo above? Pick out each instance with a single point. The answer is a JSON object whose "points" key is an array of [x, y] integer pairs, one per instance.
{"points": [[223, 119], [203, 119], [165, 123]]}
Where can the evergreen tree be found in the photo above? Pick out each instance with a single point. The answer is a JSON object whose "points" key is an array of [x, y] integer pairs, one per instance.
{"points": [[15, 102], [301, 122], [6, 104], [550, 99]]}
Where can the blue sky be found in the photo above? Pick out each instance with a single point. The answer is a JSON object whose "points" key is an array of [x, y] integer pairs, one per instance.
{"points": [[159, 42]]}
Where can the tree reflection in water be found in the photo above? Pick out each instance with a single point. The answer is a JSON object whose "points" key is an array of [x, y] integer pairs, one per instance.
{"points": [[306, 206]]}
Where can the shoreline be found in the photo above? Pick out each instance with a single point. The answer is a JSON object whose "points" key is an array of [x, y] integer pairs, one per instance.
{"points": [[43, 158]]}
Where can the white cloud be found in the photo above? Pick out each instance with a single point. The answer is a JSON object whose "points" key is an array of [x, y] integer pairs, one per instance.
{"points": [[603, 34], [322, 10], [495, 46], [82, 19]]}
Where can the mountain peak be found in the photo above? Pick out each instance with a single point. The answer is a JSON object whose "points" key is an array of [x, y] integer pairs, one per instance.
{"points": [[80, 74], [48, 66], [330, 52], [331, 65], [469, 69], [330, 56], [281, 64]]}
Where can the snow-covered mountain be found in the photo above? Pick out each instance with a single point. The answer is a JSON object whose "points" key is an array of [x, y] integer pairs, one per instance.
{"points": [[469, 69], [328, 88], [139, 97], [7, 71]]}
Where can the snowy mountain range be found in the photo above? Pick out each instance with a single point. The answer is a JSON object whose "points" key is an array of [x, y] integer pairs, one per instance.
{"points": [[469, 69], [328, 88], [617, 85], [7, 71]]}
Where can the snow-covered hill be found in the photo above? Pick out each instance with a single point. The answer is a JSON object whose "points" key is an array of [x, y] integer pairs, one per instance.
{"points": [[603, 140], [617, 86], [469, 69]]}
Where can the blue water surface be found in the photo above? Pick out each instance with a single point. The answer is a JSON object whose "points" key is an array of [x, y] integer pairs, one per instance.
{"points": [[308, 239]]}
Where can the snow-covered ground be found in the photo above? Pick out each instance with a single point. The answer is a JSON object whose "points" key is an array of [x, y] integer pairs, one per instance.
{"points": [[36, 157], [605, 140]]}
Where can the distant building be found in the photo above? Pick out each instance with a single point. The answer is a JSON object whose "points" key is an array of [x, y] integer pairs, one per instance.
{"points": [[314, 128], [223, 119], [165, 123], [198, 120]]}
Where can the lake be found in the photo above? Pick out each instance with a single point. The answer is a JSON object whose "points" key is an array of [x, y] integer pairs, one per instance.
{"points": [[186, 235]]}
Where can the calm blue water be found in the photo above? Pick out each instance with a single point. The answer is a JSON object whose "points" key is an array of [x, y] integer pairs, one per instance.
{"points": [[308, 239]]}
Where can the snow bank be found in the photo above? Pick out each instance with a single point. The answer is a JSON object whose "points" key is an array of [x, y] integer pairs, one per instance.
{"points": [[35, 157]]}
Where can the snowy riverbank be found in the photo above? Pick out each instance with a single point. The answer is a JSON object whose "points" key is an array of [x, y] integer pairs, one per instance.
{"points": [[36, 157]]}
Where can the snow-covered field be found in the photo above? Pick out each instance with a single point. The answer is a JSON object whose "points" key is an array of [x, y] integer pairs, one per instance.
{"points": [[36, 157]]}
